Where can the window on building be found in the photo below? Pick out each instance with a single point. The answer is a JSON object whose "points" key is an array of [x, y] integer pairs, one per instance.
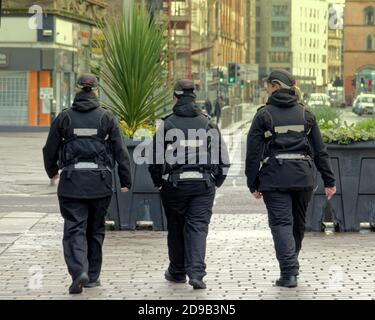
{"points": [[369, 16], [370, 43], [280, 26], [258, 57], [280, 11], [280, 42], [280, 57]]}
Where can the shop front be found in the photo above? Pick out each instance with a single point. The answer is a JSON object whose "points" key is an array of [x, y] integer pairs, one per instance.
{"points": [[35, 84]]}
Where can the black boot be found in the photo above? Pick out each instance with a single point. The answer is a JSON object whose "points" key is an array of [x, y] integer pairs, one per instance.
{"points": [[93, 284], [287, 282], [197, 284], [78, 283], [171, 278]]}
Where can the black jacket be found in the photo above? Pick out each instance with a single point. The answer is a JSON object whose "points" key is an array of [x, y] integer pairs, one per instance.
{"points": [[262, 123], [187, 115], [208, 107], [218, 108], [86, 104]]}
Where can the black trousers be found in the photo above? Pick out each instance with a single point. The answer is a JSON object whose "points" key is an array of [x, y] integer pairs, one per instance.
{"points": [[188, 211], [286, 217], [84, 231]]}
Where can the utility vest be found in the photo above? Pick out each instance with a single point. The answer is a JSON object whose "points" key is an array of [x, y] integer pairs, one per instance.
{"points": [[190, 150], [287, 163], [86, 158], [289, 132]]}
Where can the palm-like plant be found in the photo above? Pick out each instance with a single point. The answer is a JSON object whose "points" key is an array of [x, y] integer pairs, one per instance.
{"points": [[133, 69]]}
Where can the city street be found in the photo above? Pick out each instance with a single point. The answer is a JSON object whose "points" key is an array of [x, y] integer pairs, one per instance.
{"points": [[241, 260], [65, 63]]}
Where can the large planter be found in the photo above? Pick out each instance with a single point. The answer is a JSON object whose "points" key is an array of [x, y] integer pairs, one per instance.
{"points": [[141, 207], [354, 167]]}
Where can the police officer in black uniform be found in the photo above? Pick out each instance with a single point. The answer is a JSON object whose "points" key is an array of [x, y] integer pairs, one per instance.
{"points": [[188, 183], [285, 141], [84, 142]]}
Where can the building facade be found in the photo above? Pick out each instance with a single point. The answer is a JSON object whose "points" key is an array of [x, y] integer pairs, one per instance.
{"points": [[226, 26], [335, 40], [41, 54], [293, 35], [359, 48]]}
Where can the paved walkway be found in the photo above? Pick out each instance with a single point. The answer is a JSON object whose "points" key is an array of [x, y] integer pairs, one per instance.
{"points": [[241, 260], [241, 263]]}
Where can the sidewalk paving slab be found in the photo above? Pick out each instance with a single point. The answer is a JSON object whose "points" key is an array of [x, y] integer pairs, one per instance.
{"points": [[241, 264]]}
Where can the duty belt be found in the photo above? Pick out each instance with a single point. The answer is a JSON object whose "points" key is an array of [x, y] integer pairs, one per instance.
{"points": [[186, 176], [289, 156], [84, 165]]}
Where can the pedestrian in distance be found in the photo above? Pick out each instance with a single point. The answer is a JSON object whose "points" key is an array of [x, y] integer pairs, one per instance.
{"points": [[283, 144], [85, 142], [208, 106], [191, 166], [218, 109]]}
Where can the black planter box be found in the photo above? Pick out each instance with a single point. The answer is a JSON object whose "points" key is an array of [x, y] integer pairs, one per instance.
{"points": [[141, 207], [354, 203]]}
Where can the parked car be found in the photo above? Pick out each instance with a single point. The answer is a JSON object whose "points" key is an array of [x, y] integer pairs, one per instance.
{"points": [[364, 104], [319, 100]]}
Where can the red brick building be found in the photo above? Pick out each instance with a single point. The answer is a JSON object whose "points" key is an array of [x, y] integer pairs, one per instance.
{"points": [[359, 48]]}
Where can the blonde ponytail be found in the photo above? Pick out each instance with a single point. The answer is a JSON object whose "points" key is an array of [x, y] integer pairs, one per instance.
{"points": [[298, 93], [294, 88]]}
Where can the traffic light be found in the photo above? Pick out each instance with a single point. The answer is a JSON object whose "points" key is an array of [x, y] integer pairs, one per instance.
{"points": [[232, 73], [362, 82], [221, 76], [354, 82], [369, 85], [238, 71], [242, 84]]}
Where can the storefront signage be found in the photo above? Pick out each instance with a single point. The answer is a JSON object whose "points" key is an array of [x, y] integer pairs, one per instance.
{"points": [[46, 93]]}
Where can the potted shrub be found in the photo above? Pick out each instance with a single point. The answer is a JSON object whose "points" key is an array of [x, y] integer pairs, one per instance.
{"points": [[133, 76], [352, 152]]}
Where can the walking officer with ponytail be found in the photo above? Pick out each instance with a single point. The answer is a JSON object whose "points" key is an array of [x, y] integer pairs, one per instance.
{"points": [[283, 144], [84, 142]]}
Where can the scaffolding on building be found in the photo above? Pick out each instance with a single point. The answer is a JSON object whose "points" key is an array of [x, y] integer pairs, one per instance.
{"points": [[179, 19]]}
